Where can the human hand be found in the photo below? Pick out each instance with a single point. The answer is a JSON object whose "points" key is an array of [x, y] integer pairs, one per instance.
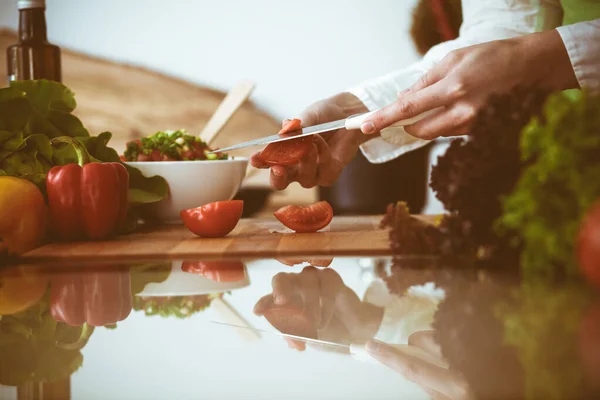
{"points": [[333, 308], [427, 372], [331, 152], [462, 82]]}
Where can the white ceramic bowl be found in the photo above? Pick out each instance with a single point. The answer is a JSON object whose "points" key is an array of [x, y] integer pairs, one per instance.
{"points": [[194, 183]]}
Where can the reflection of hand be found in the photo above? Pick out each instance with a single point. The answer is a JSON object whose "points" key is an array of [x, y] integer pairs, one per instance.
{"points": [[332, 151], [439, 382], [333, 308], [97, 298], [462, 82]]}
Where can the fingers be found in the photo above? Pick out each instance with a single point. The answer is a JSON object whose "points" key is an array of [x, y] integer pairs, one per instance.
{"points": [[263, 304], [329, 281], [295, 344], [307, 169], [308, 283], [454, 121], [328, 168], [425, 340], [411, 105], [432, 76], [429, 376], [257, 162], [282, 176], [284, 288]]}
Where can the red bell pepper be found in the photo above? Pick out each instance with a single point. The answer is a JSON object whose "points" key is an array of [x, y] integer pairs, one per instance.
{"points": [[87, 200], [96, 298]]}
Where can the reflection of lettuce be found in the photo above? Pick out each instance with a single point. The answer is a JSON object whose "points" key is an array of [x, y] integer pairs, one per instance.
{"points": [[31, 350], [543, 326], [34, 112], [173, 306]]}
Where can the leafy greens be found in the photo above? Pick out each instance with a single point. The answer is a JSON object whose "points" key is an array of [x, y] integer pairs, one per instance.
{"points": [[34, 112]]}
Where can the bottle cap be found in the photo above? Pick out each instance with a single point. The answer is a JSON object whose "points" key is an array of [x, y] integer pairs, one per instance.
{"points": [[24, 4]]}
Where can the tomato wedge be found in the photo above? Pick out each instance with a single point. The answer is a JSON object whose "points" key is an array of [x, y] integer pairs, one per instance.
{"points": [[218, 271], [214, 219], [317, 262], [291, 126], [306, 219], [289, 152]]}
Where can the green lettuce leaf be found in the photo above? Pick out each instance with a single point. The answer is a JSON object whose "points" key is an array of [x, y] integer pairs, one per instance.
{"points": [[32, 113], [51, 107]]}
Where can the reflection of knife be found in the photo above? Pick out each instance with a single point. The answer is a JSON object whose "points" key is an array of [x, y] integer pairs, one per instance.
{"points": [[352, 122], [357, 351]]}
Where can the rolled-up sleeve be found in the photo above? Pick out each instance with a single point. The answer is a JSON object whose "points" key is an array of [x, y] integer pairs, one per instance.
{"points": [[582, 41], [483, 21]]}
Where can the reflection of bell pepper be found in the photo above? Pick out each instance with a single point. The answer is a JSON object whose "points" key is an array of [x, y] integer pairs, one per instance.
{"points": [[87, 200], [97, 298], [23, 215], [219, 271]]}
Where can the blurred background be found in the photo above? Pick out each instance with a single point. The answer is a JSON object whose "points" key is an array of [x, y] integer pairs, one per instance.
{"points": [[131, 62]]}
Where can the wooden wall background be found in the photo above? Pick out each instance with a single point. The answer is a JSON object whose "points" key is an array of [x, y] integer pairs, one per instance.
{"points": [[132, 101]]}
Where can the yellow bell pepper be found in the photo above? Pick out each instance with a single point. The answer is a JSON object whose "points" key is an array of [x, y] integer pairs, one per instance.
{"points": [[23, 215]]}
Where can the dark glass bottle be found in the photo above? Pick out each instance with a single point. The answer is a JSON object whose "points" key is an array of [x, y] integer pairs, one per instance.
{"points": [[33, 57]]}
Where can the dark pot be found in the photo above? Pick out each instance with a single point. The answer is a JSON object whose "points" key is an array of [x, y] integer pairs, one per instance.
{"points": [[366, 189]]}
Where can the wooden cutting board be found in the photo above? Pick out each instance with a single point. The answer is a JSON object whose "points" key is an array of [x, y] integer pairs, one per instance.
{"points": [[252, 238]]}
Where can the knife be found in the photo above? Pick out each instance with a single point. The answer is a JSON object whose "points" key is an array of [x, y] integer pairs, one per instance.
{"points": [[357, 351], [350, 123]]}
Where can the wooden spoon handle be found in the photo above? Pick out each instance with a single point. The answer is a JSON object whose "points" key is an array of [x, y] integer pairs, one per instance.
{"points": [[230, 104]]}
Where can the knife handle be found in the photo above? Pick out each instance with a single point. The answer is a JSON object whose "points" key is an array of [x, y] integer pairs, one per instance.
{"points": [[355, 121]]}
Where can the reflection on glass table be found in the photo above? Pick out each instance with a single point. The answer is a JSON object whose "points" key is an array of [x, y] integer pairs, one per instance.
{"points": [[156, 330]]}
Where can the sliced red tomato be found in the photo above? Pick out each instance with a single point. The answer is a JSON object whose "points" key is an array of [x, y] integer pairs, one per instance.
{"points": [[214, 219], [306, 219], [324, 263], [588, 247], [289, 152], [219, 271], [291, 126]]}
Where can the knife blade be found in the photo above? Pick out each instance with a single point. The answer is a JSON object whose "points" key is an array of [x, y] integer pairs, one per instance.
{"points": [[286, 335], [357, 351], [350, 123]]}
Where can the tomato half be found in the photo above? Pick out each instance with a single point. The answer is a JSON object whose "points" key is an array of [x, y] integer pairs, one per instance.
{"points": [[20, 289], [306, 219], [291, 126], [219, 271], [214, 219], [289, 152], [588, 247], [323, 263]]}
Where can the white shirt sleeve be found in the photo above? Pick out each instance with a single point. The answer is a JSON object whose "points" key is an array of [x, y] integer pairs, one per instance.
{"points": [[483, 21], [582, 41]]}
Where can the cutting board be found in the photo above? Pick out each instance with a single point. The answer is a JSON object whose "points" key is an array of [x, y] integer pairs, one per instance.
{"points": [[252, 238]]}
